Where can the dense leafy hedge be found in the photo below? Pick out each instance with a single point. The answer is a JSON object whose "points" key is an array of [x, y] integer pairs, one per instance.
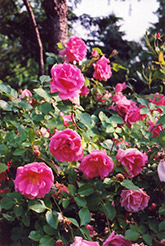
{"points": [[79, 158]]}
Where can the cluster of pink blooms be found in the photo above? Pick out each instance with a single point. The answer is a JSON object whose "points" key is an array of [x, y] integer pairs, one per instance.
{"points": [[113, 240], [68, 80], [34, 180], [133, 160], [134, 200], [126, 108]]}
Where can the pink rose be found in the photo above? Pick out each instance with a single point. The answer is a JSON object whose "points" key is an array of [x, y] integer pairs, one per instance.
{"points": [[120, 86], [75, 50], [133, 160], [132, 115], [154, 128], [84, 91], [66, 146], [78, 241], [134, 200], [67, 118], [68, 81], [34, 180], [158, 99], [96, 164], [116, 240], [161, 170], [95, 54], [102, 69], [25, 93]]}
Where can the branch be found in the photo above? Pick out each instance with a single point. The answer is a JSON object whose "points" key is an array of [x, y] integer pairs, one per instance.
{"points": [[30, 11]]}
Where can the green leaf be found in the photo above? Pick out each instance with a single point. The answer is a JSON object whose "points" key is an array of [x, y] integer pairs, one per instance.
{"points": [[49, 230], [162, 226], [7, 203], [85, 119], [142, 101], [35, 235], [43, 93], [109, 210], [46, 108], [85, 216], [85, 233], [80, 201], [3, 168], [31, 135], [10, 92], [44, 78], [52, 218], [116, 67], [72, 189], [161, 119], [86, 190], [26, 220], [46, 241], [144, 111], [60, 46], [129, 185], [5, 106], [65, 203], [147, 238], [18, 210], [19, 152], [153, 225], [74, 222], [114, 120], [131, 235], [37, 206]]}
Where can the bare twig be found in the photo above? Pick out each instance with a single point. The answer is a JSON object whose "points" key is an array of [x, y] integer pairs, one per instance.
{"points": [[30, 11]]}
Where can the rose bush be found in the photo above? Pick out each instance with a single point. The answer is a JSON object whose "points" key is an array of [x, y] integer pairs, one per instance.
{"points": [[95, 153]]}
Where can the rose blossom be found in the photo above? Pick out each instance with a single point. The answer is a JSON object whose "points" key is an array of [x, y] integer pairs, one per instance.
{"points": [[134, 200], [120, 86], [127, 109], [133, 160], [161, 170], [66, 146], [158, 99], [102, 69], [116, 240], [34, 180], [78, 241], [75, 50], [154, 128], [96, 164], [68, 81]]}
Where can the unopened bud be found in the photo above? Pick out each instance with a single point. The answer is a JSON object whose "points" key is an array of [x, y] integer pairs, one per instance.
{"points": [[59, 243], [120, 177], [36, 153]]}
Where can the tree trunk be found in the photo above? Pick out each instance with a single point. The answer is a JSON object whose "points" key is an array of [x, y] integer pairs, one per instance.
{"points": [[57, 22]]}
